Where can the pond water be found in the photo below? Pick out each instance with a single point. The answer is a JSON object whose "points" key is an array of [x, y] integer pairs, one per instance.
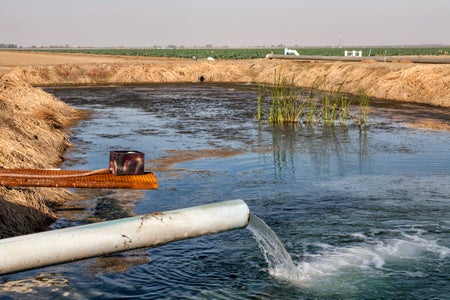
{"points": [[363, 213]]}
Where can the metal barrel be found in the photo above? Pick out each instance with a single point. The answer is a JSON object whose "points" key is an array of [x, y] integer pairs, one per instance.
{"points": [[76, 243]]}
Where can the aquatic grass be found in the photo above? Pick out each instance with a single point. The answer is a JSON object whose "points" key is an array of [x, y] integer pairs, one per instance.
{"points": [[260, 99], [335, 109], [364, 108], [310, 112], [329, 109], [285, 103], [285, 98], [344, 114]]}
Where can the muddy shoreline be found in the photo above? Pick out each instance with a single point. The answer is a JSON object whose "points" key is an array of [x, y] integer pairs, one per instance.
{"points": [[34, 123]]}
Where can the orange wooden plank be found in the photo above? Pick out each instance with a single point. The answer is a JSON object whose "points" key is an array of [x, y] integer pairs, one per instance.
{"points": [[76, 179]]}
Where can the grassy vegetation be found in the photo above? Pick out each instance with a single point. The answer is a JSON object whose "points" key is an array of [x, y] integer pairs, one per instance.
{"points": [[364, 108], [249, 53], [284, 103]]}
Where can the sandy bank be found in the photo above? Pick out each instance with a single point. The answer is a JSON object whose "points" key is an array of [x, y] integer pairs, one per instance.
{"points": [[421, 83], [32, 135]]}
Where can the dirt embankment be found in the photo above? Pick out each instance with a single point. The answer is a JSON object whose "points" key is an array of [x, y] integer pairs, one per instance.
{"points": [[402, 81], [32, 135], [32, 122], [395, 81]]}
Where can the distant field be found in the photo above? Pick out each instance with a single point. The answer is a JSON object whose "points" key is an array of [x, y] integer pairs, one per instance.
{"points": [[248, 53]]}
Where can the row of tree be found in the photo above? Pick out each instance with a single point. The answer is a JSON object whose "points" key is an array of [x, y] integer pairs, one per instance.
{"points": [[208, 46], [8, 46]]}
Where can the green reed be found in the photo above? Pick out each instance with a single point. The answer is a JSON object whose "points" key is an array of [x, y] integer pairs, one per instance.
{"points": [[329, 110], [335, 108], [287, 105], [344, 113], [310, 112], [260, 100], [364, 108]]}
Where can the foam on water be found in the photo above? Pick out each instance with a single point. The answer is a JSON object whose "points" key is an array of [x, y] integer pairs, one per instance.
{"points": [[368, 257]]}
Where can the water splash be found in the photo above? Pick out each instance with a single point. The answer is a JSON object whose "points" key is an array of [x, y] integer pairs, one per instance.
{"points": [[279, 261], [342, 267]]}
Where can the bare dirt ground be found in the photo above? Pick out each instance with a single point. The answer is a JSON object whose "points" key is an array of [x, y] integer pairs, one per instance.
{"points": [[18, 58], [402, 81]]}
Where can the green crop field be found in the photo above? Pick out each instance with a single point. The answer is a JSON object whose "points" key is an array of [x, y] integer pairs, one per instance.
{"points": [[248, 53]]}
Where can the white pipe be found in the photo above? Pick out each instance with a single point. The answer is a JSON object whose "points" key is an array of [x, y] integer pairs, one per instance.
{"points": [[75, 243]]}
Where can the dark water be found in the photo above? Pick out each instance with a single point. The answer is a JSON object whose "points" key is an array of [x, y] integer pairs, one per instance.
{"points": [[364, 214]]}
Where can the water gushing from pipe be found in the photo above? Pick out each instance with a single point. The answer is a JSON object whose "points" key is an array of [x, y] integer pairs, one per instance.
{"points": [[279, 261]]}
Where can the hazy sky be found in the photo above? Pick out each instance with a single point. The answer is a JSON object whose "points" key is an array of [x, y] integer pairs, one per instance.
{"points": [[135, 23]]}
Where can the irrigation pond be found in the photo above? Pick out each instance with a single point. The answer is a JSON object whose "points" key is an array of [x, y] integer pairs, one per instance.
{"points": [[363, 212]]}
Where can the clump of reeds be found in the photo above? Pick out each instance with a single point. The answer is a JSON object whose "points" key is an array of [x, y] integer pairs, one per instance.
{"points": [[286, 105], [334, 109], [364, 108], [283, 103]]}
